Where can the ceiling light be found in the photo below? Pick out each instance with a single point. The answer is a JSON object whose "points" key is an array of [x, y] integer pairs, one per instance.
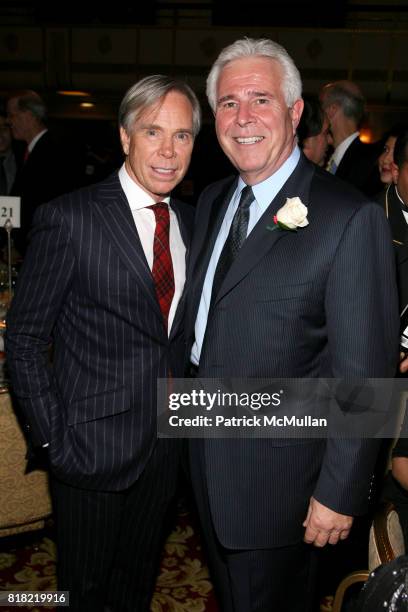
{"points": [[73, 92]]}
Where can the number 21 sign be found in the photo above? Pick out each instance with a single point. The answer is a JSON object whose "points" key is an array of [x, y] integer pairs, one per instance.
{"points": [[9, 209]]}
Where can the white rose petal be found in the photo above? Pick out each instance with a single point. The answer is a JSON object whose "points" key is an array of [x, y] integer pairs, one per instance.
{"points": [[293, 214]]}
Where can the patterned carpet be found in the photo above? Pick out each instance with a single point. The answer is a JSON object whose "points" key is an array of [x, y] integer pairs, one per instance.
{"points": [[27, 563]]}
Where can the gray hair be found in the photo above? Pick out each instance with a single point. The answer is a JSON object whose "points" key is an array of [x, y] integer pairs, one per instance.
{"points": [[348, 96], [28, 100], [249, 47], [151, 90]]}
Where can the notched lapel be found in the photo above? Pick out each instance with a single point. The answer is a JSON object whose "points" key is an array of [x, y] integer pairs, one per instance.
{"points": [[113, 211], [261, 240], [186, 237]]}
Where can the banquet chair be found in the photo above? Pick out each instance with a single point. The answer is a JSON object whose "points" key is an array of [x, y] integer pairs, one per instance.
{"points": [[386, 542], [25, 498]]}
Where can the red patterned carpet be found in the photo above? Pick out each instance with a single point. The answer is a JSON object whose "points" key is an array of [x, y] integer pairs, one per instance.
{"points": [[27, 563]]}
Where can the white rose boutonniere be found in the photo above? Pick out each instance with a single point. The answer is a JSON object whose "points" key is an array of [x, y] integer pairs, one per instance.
{"points": [[292, 215]]}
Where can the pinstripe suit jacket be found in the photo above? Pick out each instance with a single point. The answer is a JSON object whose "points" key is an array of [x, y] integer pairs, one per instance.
{"points": [[319, 302], [86, 285]]}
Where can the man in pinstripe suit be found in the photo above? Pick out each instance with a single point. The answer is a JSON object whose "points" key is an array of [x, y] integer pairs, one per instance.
{"points": [[92, 282], [316, 298]]}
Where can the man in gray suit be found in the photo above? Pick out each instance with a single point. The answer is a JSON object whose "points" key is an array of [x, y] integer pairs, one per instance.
{"points": [[103, 280], [314, 297]]}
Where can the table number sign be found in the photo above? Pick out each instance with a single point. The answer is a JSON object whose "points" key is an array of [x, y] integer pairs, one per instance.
{"points": [[10, 209]]}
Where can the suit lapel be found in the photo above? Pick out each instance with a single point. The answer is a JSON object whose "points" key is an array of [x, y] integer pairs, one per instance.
{"points": [[261, 240], [204, 242], [399, 227], [185, 235], [113, 211]]}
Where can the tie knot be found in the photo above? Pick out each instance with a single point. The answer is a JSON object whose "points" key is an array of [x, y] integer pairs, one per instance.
{"points": [[247, 197], [161, 210]]}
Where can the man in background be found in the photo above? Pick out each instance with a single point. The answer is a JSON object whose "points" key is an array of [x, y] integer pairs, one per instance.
{"points": [[312, 131], [104, 281], [48, 168], [9, 156], [352, 160]]}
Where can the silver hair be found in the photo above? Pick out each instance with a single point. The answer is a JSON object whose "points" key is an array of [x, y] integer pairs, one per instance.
{"points": [[28, 100], [151, 90], [249, 47], [353, 105]]}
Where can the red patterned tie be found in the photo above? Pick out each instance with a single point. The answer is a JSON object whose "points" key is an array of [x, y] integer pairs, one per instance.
{"points": [[162, 270]]}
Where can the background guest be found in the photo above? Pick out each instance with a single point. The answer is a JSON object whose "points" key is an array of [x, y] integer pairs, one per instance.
{"points": [[387, 156], [352, 160], [394, 200], [312, 130], [10, 156], [49, 169]]}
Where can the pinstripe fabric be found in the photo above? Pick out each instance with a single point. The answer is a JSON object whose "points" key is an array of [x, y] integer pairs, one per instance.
{"points": [[86, 285], [109, 544], [320, 302]]}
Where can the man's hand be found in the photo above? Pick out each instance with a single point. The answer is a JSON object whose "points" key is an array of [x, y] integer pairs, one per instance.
{"points": [[324, 525], [403, 366]]}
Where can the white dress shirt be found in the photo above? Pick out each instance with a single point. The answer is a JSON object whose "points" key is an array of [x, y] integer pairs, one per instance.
{"points": [[403, 203], [341, 149], [34, 141], [264, 193], [145, 222]]}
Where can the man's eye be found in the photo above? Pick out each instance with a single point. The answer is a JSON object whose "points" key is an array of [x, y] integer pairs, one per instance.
{"points": [[183, 136], [151, 132], [229, 104], [262, 101]]}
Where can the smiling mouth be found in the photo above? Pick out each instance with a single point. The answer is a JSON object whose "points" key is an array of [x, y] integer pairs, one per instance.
{"points": [[164, 171], [249, 140]]}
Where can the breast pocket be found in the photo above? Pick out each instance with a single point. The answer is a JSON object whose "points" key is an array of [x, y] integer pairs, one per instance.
{"points": [[269, 292]]}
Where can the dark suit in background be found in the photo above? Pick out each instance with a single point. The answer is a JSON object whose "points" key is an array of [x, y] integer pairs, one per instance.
{"points": [[47, 173], [87, 286], [389, 200], [359, 166]]}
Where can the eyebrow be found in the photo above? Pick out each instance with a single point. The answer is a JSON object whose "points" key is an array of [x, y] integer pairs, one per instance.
{"points": [[256, 94], [153, 126]]}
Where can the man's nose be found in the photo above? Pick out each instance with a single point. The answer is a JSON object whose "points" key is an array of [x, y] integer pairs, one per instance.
{"points": [[167, 147], [244, 114]]}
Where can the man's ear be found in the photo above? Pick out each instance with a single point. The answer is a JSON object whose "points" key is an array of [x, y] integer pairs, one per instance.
{"points": [[124, 139], [330, 111], [394, 172], [296, 113]]}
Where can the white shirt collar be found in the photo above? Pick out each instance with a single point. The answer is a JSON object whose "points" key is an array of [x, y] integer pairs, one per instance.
{"points": [[342, 148], [265, 191], [34, 141], [137, 197]]}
